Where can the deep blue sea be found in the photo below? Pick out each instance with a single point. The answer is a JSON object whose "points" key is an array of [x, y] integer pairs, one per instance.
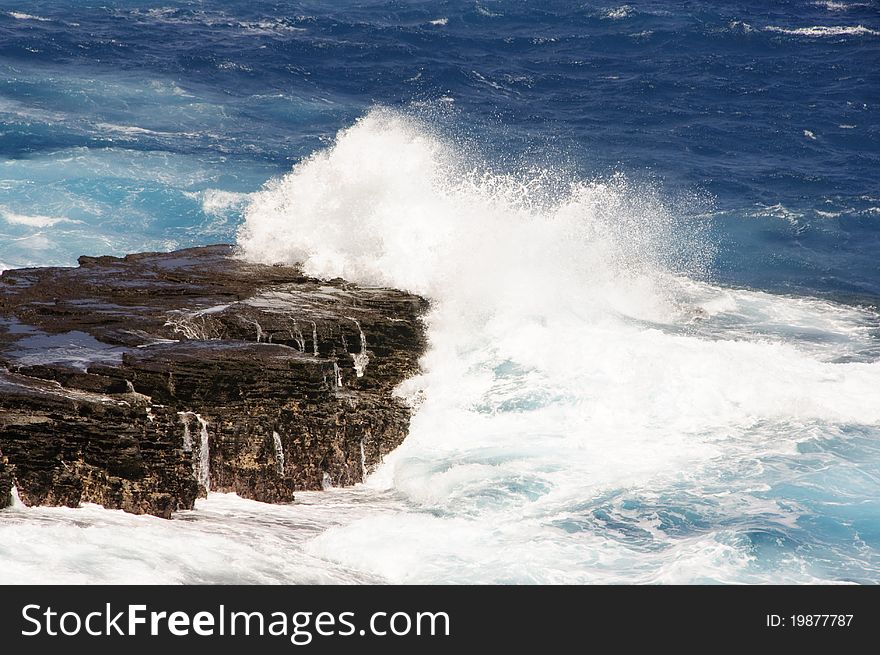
{"points": [[650, 233]]}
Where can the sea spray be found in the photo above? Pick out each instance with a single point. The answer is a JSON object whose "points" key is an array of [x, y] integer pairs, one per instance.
{"points": [[580, 365], [392, 204]]}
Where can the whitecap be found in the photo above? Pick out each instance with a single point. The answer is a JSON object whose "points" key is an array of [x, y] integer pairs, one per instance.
{"points": [[483, 11], [22, 16], [833, 5], [820, 31], [741, 26], [232, 65], [618, 13]]}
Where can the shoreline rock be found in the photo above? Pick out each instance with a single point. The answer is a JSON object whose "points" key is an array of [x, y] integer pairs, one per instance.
{"points": [[140, 382], [5, 482]]}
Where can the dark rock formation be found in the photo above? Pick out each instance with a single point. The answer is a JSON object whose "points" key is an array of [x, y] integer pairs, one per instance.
{"points": [[5, 482], [139, 382]]}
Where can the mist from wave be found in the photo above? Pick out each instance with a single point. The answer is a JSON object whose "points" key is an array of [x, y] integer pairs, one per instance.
{"points": [[591, 408]]}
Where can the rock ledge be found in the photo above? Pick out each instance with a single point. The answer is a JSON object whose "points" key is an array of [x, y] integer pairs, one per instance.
{"points": [[141, 382]]}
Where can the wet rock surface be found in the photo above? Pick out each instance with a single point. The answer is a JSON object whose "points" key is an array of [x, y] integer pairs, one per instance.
{"points": [[141, 382]]}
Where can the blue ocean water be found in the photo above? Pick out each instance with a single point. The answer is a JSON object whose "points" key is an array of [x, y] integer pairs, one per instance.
{"points": [[698, 185]]}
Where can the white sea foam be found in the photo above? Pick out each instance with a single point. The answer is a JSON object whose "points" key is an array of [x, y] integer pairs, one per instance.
{"points": [[34, 220], [618, 13], [483, 11], [22, 16], [832, 5], [741, 26], [234, 66], [218, 202], [575, 352], [227, 539], [392, 204], [218, 19], [820, 31]]}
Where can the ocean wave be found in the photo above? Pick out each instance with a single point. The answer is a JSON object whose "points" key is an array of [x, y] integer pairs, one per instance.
{"points": [[92, 545], [135, 132], [595, 406], [618, 13], [275, 26], [22, 16], [576, 352], [485, 11], [777, 211], [740, 26], [403, 170], [234, 66], [820, 31], [832, 5]]}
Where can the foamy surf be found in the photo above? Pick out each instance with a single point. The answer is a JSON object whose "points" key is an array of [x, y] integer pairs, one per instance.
{"points": [[592, 407], [579, 369]]}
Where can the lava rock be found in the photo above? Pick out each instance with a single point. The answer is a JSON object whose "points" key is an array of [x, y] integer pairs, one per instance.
{"points": [[142, 382], [5, 482]]}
